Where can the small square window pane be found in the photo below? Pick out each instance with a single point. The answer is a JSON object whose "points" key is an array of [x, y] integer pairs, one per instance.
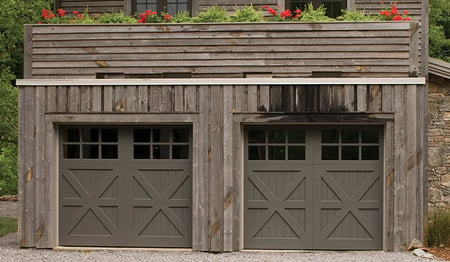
{"points": [[370, 153], [296, 136], [161, 135], [277, 136], [109, 151], [90, 151], [180, 135], [90, 135], [330, 152], [72, 135], [109, 135], [296, 153], [180, 152], [256, 136], [71, 151], [161, 152], [370, 136], [256, 153], [141, 152], [350, 153], [350, 136], [277, 153], [330, 136], [141, 135]]}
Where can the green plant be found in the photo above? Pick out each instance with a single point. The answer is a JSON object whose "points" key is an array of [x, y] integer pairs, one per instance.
{"points": [[356, 15], [314, 15], [247, 14], [182, 17], [438, 229], [115, 18], [8, 225], [212, 14]]}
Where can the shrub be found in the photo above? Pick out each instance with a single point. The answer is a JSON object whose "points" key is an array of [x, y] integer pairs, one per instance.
{"points": [[247, 14], [212, 14], [438, 229], [314, 15]]}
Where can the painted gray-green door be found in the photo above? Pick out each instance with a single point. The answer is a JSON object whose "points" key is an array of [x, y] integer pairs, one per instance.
{"points": [[125, 186], [313, 188]]}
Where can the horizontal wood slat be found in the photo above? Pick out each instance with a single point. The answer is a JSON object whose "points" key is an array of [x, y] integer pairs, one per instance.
{"points": [[222, 50]]}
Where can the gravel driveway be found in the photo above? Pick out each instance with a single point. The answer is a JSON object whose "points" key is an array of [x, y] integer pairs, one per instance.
{"points": [[9, 251]]}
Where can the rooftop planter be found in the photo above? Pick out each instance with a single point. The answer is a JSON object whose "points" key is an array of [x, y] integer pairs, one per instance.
{"points": [[347, 49]]}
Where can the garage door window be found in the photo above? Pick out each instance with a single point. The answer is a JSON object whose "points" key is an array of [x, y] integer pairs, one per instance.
{"points": [[276, 144], [161, 143], [350, 144], [90, 143]]}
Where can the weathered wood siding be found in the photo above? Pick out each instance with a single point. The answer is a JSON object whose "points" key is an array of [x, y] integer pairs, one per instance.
{"points": [[222, 50], [98, 6], [217, 112]]}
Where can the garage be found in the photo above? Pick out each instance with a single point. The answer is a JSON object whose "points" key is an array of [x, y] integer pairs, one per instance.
{"points": [[125, 186], [313, 187]]}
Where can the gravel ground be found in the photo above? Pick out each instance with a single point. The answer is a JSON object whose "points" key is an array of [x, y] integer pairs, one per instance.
{"points": [[9, 251]]}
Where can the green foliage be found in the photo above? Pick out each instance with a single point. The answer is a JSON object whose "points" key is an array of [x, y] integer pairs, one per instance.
{"points": [[314, 15], [439, 30], [438, 229], [213, 14], [8, 170], [182, 17], [356, 15], [247, 14], [116, 18], [8, 225]]}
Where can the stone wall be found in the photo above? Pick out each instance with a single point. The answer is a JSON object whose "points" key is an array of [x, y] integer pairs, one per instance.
{"points": [[439, 143]]}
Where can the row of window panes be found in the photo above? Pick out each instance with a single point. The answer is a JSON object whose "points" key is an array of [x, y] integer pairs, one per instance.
{"points": [[350, 136], [161, 143], [350, 153], [75, 135], [276, 136]]}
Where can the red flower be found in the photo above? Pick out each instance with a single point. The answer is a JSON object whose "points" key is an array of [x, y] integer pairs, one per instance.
{"points": [[286, 13], [265, 6], [148, 12], [397, 18], [298, 11], [405, 12], [167, 17], [75, 12], [394, 10], [406, 19], [80, 16], [141, 20], [154, 13], [143, 16], [382, 3], [51, 16], [61, 12], [40, 23]]}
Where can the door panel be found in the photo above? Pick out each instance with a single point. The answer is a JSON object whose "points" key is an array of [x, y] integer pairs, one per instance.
{"points": [[122, 187], [330, 199]]}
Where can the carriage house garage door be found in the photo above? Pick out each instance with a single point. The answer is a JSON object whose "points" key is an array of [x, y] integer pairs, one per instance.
{"points": [[314, 187], [125, 186]]}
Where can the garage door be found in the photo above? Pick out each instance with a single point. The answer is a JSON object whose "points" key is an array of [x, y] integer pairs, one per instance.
{"points": [[313, 188], [125, 186]]}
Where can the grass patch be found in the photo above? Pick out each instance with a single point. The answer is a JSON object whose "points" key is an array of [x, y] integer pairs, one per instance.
{"points": [[438, 229], [7, 225]]}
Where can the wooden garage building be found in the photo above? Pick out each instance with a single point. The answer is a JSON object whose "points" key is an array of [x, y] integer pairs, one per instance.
{"points": [[223, 137]]}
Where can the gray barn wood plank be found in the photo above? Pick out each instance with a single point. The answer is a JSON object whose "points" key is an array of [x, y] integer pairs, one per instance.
{"points": [[400, 189], [62, 99], [387, 98], [155, 98], [52, 97], [375, 98], [85, 98], [74, 99], [216, 169], [275, 98], [97, 98], [28, 51], [389, 176], [200, 216], [178, 98], [191, 99], [120, 103], [166, 99], [300, 98], [349, 98], [142, 98], [228, 185], [361, 98], [108, 98], [40, 180], [27, 158], [131, 96], [252, 103], [241, 97]]}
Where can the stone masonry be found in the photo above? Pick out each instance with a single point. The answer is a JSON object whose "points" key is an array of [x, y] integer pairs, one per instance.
{"points": [[439, 143]]}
